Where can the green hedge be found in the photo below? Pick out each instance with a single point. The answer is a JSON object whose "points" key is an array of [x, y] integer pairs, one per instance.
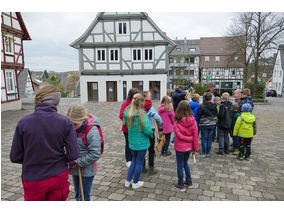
{"points": [[257, 89], [200, 88]]}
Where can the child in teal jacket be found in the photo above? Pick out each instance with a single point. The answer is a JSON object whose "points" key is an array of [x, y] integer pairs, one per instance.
{"points": [[139, 130]]}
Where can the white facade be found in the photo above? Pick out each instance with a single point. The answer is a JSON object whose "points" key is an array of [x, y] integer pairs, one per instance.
{"points": [[102, 91], [120, 51], [278, 74]]}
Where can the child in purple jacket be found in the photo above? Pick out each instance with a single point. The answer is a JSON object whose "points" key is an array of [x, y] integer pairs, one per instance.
{"points": [[167, 114]]}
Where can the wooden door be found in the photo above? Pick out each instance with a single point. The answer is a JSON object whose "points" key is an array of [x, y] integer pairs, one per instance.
{"points": [[138, 85], [111, 91], [93, 91], [155, 88]]}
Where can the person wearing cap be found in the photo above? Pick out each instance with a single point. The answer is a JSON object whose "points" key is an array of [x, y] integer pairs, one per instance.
{"points": [[44, 142], [245, 130]]}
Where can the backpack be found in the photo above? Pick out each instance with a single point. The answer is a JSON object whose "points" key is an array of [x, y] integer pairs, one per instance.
{"points": [[253, 125], [84, 137]]}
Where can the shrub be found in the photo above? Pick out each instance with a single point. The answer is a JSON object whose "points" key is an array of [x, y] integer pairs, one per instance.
{"points": [[200, 88], [257, 89]]}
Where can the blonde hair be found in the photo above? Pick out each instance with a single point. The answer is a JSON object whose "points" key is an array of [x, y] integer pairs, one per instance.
{"points": [[237, 91], [167, 102], [145, 93], [225, 96], [195, 96], [236, 106], [77, 113], [137, 103], [217, 98], [44, 91], [246, 91]]}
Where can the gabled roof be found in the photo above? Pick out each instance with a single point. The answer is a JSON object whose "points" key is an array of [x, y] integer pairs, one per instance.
{"points": [[100, 15], [185, 45], [23, 26], [22, 82]]}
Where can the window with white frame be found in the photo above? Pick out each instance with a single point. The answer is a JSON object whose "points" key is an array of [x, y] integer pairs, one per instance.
{"points": [[136, 54], [217, 58], [9, 44], [113, 55], [122, 28], [148, 54], [101, 55], [206, 58], [9, 81], [192, 49], [236, 58]]}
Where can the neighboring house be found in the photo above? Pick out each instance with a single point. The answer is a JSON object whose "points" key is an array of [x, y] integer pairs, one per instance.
{"points": [[13, 32], [36, 82], [278, 71], [77, 92], [37, 74], [25, 83], [217, 65], [121, 50], [184, 61]]}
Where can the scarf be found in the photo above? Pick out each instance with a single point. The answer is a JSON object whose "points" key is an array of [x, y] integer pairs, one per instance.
{"points": [[147, 105]]}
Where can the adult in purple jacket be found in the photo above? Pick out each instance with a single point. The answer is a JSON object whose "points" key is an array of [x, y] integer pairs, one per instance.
{"points": [[43, 143]]}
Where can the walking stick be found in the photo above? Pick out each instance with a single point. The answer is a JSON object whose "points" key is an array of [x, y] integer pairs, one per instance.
{"points": [[81, 184]]}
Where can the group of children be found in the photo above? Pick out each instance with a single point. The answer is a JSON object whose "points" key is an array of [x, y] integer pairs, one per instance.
{"points": [[186, 119]]}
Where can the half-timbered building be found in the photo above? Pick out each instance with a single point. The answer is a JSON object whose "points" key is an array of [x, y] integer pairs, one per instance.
{"points": [[13, 32], [120, 51]]}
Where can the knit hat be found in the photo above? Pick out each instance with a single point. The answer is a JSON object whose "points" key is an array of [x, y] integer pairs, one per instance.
{"points": [[246, 107], [52, 98]]}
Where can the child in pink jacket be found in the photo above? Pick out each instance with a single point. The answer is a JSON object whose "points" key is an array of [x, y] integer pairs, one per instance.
{"points": [[186, 141], [167, 114]]}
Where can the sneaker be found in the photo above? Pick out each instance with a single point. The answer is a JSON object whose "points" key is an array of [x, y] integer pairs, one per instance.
{"points": [[168, 153], [127, 183], [180, 187], [208, 155], [236, 152], [220, 153], [204, 155], [188, 184], [240, 157], [247, 159], [137, 185], [232, 149], [128, 163]]}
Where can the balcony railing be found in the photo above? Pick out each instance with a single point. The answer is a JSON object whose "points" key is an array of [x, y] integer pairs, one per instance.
{"points": [[178, 64]]}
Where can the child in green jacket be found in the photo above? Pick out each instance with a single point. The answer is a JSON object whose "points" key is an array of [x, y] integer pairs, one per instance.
{"points": [[139, 131], [244, 129]]}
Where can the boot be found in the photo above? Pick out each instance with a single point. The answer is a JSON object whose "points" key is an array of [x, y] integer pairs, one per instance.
{"points": [[152, 171]]}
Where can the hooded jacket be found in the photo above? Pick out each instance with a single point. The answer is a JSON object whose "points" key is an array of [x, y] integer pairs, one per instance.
{"points": [[167, 118], [138, 138], [43, 143], [225, 115], [87, 158], [244, 128], [186, 135], [207, 114], [123, 107], [177, 96], [152, 114], [194, 108], [245, 100]]}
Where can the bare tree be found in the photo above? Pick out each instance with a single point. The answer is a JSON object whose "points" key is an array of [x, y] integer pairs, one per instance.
{"points": [[253, 35]]}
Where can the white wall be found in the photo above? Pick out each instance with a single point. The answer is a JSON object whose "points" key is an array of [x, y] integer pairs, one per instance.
{"points": [[84, 79], [277, 80], [14, 105]]}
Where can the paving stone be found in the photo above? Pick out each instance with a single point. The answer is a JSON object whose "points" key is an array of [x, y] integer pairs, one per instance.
{"points": [[241, 192], [208, 193], [116, 196], [232, 197], [255, 194], [215, 188], [247, 198], [203, 198], [220, 194], [268, 196]]}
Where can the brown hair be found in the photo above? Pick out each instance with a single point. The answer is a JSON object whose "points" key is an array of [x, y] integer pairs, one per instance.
{"points": [[44, 91], [195, 97], [169, 92], [167, 101], [132, 92], [246, 91], [137, 103], [145, 93], [77, 113], [225, 96], [207, 96], [236, 106], [183, 110]]}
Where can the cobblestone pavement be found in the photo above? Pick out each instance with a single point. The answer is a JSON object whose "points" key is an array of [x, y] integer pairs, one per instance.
{"points": [[215, 178]]}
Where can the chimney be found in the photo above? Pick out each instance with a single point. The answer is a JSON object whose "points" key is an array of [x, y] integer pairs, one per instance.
{"points": [[165, 33]]}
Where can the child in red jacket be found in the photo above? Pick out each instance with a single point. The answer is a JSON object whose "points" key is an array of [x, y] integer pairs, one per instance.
{"points": [[186, 141]]}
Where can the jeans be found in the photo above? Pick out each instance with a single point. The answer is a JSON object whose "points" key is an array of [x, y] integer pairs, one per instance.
{"points": [[166, 146], [151, 150], [87, 185], [182, 164], [224, 141], [128, 156], [136, 165], [245, 144], [236, 144], [206, 138]]}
